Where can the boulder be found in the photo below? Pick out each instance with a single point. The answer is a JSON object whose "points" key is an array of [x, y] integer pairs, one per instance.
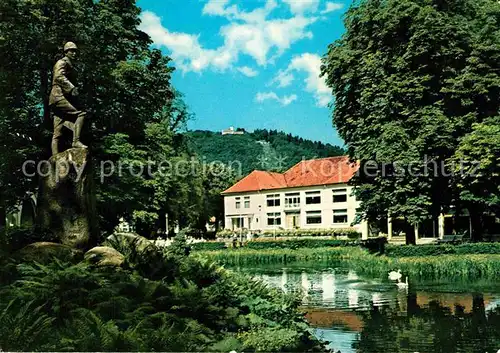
{"points": [[104, 256], [66, 198], [131, 239], [45, 252]]}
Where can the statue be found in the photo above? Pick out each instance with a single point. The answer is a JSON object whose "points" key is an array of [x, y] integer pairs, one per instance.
{"points": [[66, 194], [62, 100]]}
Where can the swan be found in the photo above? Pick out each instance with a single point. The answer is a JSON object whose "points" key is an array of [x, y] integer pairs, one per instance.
{"points": [[402, 284], [395, 276]]}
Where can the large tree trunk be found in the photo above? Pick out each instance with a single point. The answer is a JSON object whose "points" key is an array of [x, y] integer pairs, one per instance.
{"points": [[476, 219], [3, 218], [161, 223], [410, 234]]}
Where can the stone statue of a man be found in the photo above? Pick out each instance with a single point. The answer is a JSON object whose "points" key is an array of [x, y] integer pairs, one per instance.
{"points": [[62, 100]]}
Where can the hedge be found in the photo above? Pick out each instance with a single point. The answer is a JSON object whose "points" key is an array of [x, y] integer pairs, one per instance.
{"points": [[349, 232], [436, 250], [208, 246], [299, 243]]}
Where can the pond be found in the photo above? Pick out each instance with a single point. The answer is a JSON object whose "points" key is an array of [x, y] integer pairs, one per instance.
{"points": [[363, 314]]}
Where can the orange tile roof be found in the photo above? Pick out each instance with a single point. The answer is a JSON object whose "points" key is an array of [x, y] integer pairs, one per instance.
{"points": [[323, 171]]}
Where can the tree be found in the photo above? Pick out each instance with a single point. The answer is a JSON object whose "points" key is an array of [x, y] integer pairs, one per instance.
{"points": [[410, 78], [476, 164], [217, 178], [124, 85]]}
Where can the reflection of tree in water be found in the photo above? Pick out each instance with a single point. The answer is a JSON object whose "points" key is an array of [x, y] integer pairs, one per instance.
{"points": [[433, 328]]}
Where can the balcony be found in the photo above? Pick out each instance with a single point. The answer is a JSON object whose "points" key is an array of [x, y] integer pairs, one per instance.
{"points": [[292, 206]]}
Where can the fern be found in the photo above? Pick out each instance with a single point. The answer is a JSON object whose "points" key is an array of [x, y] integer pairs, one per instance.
{"points": [[24, 327]]}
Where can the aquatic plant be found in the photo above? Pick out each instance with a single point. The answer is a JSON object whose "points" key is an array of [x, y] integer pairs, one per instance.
{"points": [[360, 260]]}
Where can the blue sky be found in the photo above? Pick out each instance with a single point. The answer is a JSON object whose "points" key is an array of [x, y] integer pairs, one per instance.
{"points": [[250, 64]]}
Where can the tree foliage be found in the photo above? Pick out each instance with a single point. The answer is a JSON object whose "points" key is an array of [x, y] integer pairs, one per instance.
{"points": [[410, 78], [477, 163], [261, 149], [135, 115]]}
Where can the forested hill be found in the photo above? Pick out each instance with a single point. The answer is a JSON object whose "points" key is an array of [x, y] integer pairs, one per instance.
{"points": [[261, 149]]}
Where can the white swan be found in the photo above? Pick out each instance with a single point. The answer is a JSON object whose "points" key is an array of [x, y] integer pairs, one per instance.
{"points": [[395, 276]]}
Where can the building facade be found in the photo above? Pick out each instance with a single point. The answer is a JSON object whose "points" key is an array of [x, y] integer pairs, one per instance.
{"points": [[313, 194], [232, 131]]}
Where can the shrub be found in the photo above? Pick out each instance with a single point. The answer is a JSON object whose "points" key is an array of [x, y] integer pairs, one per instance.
{"points": [[347, 232], [225, 233], [374, 245], [299, 243], [160, 300], [208, 246], [350, 233], [15, 238], [436, 250]]}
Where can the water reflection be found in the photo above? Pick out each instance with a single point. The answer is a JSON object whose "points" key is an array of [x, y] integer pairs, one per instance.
{"points": [[430, 328], [335, 288], [359, 314]]}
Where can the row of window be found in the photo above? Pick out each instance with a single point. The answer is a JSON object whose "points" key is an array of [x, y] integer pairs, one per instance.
{"points": [[292, 200], [312, 197], [312, 217]]}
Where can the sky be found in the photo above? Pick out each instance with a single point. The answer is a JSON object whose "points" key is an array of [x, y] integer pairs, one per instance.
{"points": [[250, 64]]}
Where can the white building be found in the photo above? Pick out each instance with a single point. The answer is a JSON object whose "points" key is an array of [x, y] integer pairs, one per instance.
{"points": [[231, 131], [313, 194]]}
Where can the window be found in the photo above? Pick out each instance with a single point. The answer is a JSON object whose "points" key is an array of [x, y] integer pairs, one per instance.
{"points": [[274, 219], [238, 223], [292, 200], [340, 216], [247, 201], [313, 217], [238, 202], [273, 200], [339, 195], [313, 197]]}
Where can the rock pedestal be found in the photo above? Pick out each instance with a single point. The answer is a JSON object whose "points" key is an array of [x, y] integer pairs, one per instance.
{"points": [[66, 200], [45, 252]]}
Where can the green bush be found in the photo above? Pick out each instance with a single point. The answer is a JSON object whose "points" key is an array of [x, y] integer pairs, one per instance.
{"points": [[159, 300], [348, 232], [224, 233], [15, 238], [208, 246], [292, 233], [374, 245], [299, 243], [446, 249]]}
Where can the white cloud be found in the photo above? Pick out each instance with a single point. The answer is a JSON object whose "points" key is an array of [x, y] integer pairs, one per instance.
{"points": [[220, 8], [248, 71], [285, 100], [332, 6], [215, 7], [185, 48], [283, 78], [249, 33], [302, 6], [311, 65]]}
